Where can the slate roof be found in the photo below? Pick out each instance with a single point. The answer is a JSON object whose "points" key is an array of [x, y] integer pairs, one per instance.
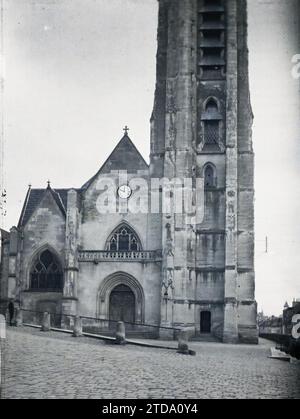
{"points": [[34, 197], [4, 234], [125, 156]]}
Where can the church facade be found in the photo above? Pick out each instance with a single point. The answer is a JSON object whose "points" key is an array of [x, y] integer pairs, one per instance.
{"points": [[162, 268]]}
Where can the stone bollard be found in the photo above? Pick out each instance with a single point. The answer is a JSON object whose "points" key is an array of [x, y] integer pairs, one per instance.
{"points": [[2, 327], [77, 330], [183, 346], [46, 323], [120, 334], [19, 317]]}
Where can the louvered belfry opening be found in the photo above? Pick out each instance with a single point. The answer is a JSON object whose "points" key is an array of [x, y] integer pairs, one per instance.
{"points": [[211, 39], [211, 75]]}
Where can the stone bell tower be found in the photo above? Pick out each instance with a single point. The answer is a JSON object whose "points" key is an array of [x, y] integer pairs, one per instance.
{"points": [[201, 128]]}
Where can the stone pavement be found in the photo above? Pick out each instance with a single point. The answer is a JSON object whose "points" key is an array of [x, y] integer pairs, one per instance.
{"points": [[53, 365]]}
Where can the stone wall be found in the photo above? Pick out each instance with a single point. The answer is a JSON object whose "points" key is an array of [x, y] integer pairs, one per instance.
{"points": [[95, 230], [93, 276], [247, 307], [211, 266]]}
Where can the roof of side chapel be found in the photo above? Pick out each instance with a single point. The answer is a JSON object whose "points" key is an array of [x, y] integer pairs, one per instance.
{"points": [[35, 196]]}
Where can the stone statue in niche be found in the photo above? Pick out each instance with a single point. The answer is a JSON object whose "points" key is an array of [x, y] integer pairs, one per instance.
{"points": [[71, 244], [168, 279], [69, 287], [171, 110], [170, 250], [172, 129], [71, 238]]}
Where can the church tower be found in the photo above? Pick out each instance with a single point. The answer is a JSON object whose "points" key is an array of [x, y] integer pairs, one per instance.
{"points": [[201, 128]]}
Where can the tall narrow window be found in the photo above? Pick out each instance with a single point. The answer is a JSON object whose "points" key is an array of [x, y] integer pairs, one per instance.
{"points": [[124, 239], [209, 177], [211, 125], [211, 133], [46, 273]]}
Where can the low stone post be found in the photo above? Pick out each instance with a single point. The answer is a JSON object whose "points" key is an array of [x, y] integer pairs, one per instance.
{"points": [[19, 317], [46, 323], [183, 345], [120, 334], [77, 330], [183, 338], [2, 349], [2, 327]]}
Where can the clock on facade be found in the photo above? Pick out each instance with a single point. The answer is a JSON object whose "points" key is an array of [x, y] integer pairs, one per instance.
{"points": [[124, 192]]}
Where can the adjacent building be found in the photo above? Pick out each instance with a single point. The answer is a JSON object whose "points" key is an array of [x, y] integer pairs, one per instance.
{"points": [[4, 260]]}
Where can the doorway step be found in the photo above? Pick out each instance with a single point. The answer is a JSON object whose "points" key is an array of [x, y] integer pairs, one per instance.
{"points": [[205, 337]]}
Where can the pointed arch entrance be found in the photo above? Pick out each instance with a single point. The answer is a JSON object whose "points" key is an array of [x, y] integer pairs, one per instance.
{"points": [[121, 298], [122, 304]]}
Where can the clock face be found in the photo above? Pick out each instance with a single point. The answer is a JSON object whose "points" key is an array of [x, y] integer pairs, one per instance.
{"points": [[124, 192]]}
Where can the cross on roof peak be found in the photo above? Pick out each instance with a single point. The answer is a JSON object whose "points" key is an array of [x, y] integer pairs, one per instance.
{"points": [[126, 129]]}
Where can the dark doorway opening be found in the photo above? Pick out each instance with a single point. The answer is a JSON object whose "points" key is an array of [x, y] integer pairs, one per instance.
{"points": [[205, 322], [122, 304]]}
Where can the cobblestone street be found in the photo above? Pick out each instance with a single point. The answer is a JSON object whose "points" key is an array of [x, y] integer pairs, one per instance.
{"points": [[53, 365]]}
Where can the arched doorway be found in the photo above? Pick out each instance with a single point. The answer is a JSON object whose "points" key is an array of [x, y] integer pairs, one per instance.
{"points": [[122, 304], [121, 288], [205, 322]]}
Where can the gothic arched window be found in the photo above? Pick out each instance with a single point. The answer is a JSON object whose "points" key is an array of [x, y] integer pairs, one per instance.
{"points": [[211, 124], [211, 106], [46, 273], [209, 177], [124, 239]]}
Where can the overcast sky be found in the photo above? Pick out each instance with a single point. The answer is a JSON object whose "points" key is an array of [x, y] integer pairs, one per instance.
{"points": [[76, 72]]}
